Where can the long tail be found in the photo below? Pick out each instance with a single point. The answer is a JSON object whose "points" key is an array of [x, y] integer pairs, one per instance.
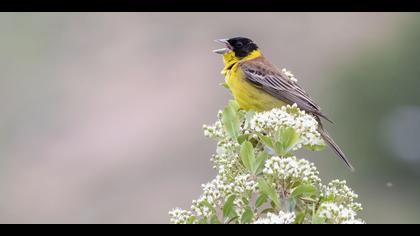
{"points": [[334, 146]]}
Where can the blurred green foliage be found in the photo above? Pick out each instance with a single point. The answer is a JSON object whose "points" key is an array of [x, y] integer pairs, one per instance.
{"points": [[366, 91]]}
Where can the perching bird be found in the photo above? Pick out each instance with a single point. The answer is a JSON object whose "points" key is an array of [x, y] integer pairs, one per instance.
{"points": [[258, 85]]}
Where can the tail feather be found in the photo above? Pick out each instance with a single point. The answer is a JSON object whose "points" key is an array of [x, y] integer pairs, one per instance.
{"points": [[334, 146]]}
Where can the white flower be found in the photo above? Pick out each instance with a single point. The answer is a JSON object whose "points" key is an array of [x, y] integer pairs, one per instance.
{"points": [[291, 170], [336, 200], [244, 183], [288, 116], [341, 193], [214, 131], [289, 74], [281, 218], [336, 213], [179, 216]]}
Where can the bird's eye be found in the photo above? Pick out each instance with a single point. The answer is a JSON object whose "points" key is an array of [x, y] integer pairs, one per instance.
{"points": [[239, 44]]}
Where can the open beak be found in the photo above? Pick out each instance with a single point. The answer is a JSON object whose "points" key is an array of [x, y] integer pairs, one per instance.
{"points": [[223, 50]]}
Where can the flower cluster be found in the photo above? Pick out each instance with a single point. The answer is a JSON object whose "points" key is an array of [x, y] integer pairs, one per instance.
{"points": [[289, 116], [339, 192], [334, 213], [259, 180], [179, 216], [289, 75], [291, 170], [281, 218]]}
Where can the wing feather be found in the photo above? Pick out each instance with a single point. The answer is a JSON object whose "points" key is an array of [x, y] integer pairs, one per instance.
{"points": [[268, 78]]}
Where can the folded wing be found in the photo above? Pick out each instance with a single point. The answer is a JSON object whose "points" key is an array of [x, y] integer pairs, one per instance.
{"points": [[271, 80]]}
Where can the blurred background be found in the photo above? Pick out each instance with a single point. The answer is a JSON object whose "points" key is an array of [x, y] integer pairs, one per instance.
{"points": [[101, 114]]}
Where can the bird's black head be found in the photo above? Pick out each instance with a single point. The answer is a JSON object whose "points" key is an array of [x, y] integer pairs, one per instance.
{"points": [[242, 46]]}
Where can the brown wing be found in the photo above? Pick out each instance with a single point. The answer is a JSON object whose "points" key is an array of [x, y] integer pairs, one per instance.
{"points": [[268, 78]]}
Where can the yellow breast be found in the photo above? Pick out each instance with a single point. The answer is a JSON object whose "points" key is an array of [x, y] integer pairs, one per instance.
{"points": [[247, 95]]}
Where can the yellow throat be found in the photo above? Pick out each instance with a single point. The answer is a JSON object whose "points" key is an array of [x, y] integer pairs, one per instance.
{"points": [[246, 94], [230, 60]]}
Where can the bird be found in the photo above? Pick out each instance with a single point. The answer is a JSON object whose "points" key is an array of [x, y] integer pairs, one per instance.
{"points": [[257, 84]]}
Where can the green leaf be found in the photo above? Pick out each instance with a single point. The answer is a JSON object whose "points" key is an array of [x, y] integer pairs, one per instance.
{"points": [[270, 191], [232, 219], [308, 199], [288, 138], [247, 216], [315, 218], [242, 138], [330, 198], [266, 141], [307, 189], [250, 114], [267, 210], [278, 147], [203, 221], [248, 117], [261, 200], [273, 205], [300, 217], [230, 119], [211, 207], [228, 210], [214, 220], [191, 220], [245, 200], [318, 220], [260, 162], [234, 105], [247, 155], [314, 147], [224, 84]]}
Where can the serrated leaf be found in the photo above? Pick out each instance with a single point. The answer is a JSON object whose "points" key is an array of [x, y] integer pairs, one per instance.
{"points": [[269, 190], [230, 120], [247, 216], [228, 209], [261, 200], [304, 189], [247, 155], [260, 162]]}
